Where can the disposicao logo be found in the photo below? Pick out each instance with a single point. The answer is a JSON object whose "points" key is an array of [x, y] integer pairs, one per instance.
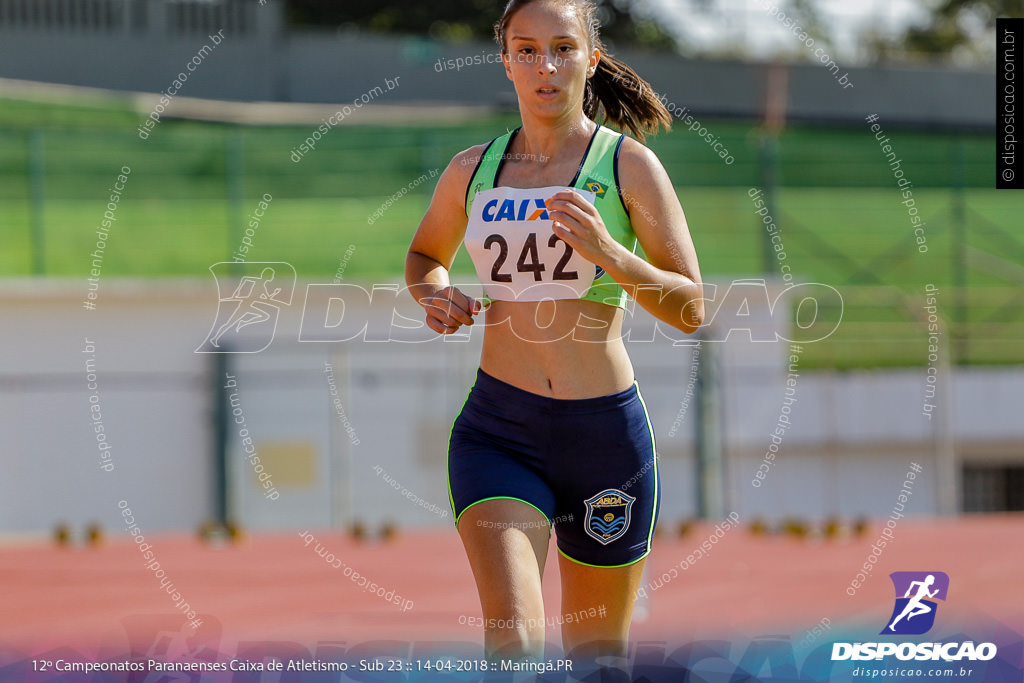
{"points": [[914, 614]]}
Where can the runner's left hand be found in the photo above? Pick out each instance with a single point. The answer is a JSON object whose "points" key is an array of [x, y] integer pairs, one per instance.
{"points": [[578, 223]]}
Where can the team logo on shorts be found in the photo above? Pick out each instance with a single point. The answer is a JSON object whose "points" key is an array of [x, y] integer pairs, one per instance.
{"points": [[914, 612], [607, 515]]}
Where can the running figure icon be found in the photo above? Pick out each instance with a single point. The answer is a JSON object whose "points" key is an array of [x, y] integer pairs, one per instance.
{"points": [[251, 309], [249, 306], [915, 607], [917, 595]]}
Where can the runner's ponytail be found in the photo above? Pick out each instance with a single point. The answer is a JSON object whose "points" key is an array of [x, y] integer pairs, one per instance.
{"points": [[626, 100]]}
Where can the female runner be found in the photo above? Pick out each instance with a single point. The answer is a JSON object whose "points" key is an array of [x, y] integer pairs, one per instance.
{"points": [[554, 432]]}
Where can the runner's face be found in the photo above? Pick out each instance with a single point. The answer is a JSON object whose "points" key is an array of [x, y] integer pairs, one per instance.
{"points": [[548, 58]]}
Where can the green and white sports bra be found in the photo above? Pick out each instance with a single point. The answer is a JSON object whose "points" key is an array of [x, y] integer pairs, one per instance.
{"points": [[509, 237]]}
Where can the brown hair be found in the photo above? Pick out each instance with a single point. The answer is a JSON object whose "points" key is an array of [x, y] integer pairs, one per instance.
{"points": [[615, 90]]}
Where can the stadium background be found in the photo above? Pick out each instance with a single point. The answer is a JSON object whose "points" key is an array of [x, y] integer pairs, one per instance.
{"points": [[78, 83]]}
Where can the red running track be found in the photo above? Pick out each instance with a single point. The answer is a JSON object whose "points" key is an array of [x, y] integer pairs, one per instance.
{"points": [[275, 588]]}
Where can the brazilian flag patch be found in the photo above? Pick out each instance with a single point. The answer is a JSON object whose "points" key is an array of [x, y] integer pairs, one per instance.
{"points": [[598, 188]]}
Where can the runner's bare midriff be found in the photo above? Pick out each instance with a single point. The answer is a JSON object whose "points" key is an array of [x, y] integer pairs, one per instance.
{"points": [[563, 349]]}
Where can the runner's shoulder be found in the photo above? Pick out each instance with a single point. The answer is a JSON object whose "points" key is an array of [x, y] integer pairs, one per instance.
{"points": [[468, 159], [460, 170], [636, 158]]}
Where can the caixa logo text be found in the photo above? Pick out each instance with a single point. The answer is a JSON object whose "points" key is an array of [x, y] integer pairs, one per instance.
{"points": [[507, 211], [948, 652]]}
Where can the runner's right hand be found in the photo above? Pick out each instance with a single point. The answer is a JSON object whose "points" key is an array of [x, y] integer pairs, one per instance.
{"points": [[448, 309]]}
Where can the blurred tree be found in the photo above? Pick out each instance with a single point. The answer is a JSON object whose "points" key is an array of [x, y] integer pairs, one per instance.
{"points": [[958, 30], [812, 21], [623, 22]]}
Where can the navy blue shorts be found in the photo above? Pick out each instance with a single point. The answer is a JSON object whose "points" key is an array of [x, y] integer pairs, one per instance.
{"points": [[589, 465]]}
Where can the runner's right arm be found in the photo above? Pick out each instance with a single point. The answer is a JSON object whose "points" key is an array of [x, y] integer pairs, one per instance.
{"points": [[435, 245]]}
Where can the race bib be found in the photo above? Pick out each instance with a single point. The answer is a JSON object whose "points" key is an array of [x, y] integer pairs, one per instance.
{"points": [[516, 253]]}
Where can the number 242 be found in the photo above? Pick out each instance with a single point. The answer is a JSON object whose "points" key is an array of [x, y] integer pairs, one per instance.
{"points": [[533, 265]]}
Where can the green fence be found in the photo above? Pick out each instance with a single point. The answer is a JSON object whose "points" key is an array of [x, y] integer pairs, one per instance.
{"points": [[193, 187]]}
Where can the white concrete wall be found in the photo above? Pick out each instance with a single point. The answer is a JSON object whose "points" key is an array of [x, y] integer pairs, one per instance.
{"points": [[852, 436]]}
